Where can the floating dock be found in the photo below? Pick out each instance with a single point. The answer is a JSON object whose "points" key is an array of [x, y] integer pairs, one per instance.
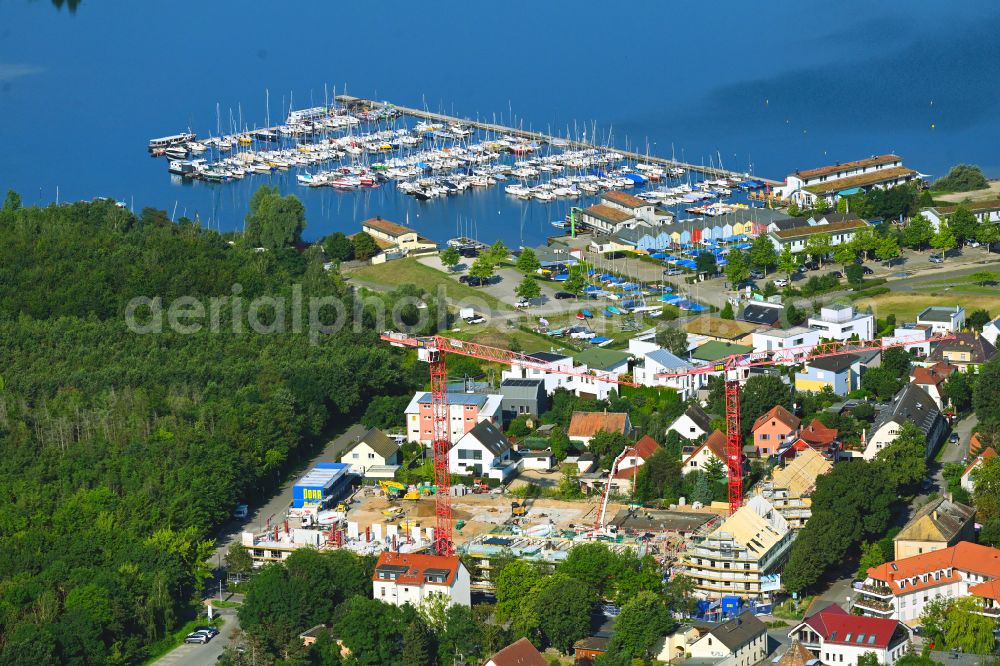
{"points": [[354, 103]]}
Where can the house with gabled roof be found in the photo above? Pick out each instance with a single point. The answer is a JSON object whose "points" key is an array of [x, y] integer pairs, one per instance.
{"points": [[694, 423], [412, 578], [713, 448], [911, 404], [484, 450], [936, 525], [638, 208], [774, 429], [373, 455], [739, 641], [931, 379], [584, 425], [837, 637], [968, 481], [519, 653]]}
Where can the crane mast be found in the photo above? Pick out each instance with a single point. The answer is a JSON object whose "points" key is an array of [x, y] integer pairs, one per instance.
{"points": [[433, 349]]}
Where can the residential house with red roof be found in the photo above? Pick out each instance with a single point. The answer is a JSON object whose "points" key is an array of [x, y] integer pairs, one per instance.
{"points": [[968, 481], [838, 638], [932, 380], [411, 578], [713, 448], [519, 653], [774, 429], [584, 425], [900, 589], [818, 436], [635, 457]]}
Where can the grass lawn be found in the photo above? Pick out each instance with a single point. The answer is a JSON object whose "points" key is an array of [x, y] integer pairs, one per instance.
{"points": [[906, 306], [410, 271], [793, 609], [503, 337]]}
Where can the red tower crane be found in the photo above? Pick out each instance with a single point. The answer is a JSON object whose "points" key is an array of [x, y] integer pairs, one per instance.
{"points": [[433, 350]]}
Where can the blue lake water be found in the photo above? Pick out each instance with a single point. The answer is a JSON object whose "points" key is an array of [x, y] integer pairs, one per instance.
{"points": [[763, 88]]}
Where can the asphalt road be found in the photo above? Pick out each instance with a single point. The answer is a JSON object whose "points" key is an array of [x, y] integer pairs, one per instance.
{"points": [[203, 655]]}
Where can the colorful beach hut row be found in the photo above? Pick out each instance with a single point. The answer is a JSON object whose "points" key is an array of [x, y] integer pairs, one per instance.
{"points": [[745, 222]]}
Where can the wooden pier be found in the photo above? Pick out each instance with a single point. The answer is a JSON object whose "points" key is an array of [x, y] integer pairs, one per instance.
{"points": [[352, 102]]}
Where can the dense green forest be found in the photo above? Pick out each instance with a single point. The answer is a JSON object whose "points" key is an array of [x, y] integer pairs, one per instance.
{"points": [[122, 452]]}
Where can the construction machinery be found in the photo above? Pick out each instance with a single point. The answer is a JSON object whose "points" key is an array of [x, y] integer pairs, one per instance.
{"points": [[478, 487], [393, 512], [517, 509], [434, 349], [392, 488], [412, 495]]}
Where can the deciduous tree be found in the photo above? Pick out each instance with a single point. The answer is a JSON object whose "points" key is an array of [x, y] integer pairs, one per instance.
{"points": [[944, 239], [364, 246], [642, 622], [338, 247], [762, 254], [527, 261], [528, 289], [450, 257], [787, 262], [482, 267], [737, 269], [672, 339]]}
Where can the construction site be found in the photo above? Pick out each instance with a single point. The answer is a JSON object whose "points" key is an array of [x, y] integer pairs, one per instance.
{"points": [[391, 516]]}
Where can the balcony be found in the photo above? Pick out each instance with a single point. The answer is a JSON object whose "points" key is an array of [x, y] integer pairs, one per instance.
{"points": [[874, 606], [877, 590]]}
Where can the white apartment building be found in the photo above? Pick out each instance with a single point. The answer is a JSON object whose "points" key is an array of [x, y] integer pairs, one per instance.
{"points": [[840, 322], [900, 589], [410, 578]]}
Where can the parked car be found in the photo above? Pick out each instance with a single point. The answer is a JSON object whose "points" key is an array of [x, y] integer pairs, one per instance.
{"points": [[837, 274], [475, 281], [801, 268], [973, 243], [673, 271], [523, 303], [780, 282], [935, 259], [867, 271], [211, 631], [563, 294], [463, 278], [469, 252], [197, 637], [953, 438], [756, 274]]}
